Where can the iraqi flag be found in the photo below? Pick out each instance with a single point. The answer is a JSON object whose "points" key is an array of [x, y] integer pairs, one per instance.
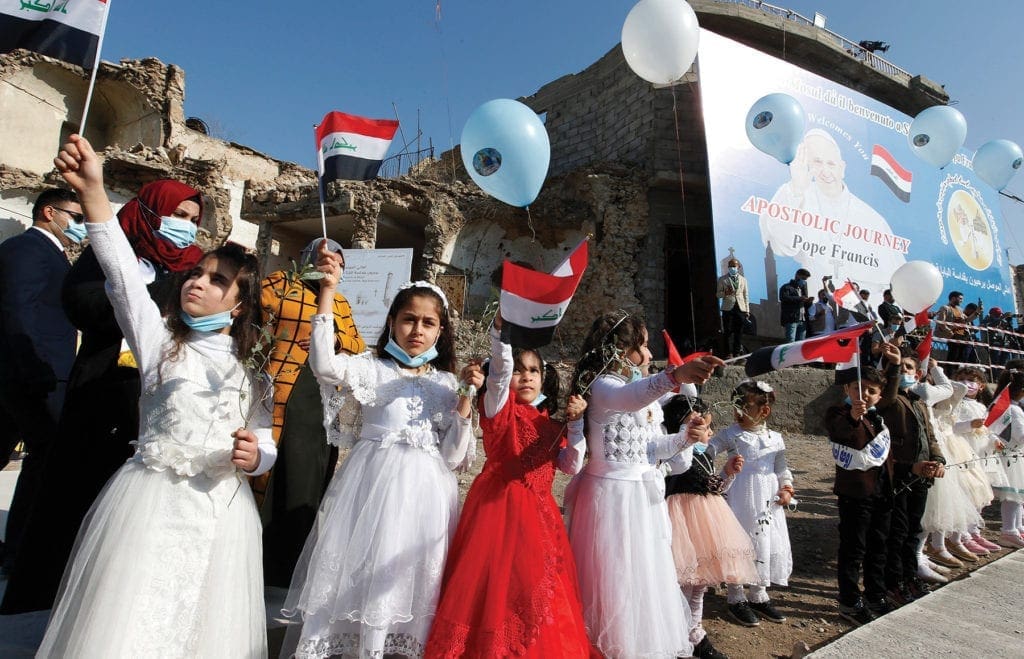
{"points": [[895, 176], [533, 303], [919, 320], [835, 348], [67, 30], [846, 296], [351, 148], [999, 407], [924, 351]]}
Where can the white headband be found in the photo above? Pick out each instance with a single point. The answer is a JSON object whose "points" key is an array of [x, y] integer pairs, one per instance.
{"points": [[428, 285]]}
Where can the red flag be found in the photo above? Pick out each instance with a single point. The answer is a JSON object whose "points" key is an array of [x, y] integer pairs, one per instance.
{"points": [[999, 407], [846, 295], [924, 351], [920, 320], [533, 302], [834, 348], [673, 355]]}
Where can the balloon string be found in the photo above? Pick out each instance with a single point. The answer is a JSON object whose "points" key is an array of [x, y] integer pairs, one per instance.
{"points": [[686, 228], [529, 223]]}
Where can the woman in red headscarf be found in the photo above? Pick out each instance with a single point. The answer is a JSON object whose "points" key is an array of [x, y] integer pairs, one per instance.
{"points": [[100, 417]]}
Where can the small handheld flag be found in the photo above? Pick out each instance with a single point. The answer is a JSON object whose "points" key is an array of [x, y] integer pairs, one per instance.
{"points": [[351, 148], [533, 303], [999, 407], [835, 348], [68, 31]]}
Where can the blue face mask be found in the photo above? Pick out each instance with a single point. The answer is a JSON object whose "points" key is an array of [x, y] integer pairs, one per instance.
{"points": [[733, 270], [403, 357], [635, 374], [211, 323], [850, 403], [75, 231], [907, 381], [538, 400], [180, 233], [699, 448]]}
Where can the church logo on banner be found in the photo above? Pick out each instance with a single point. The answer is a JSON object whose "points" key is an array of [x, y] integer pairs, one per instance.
{"points": [[68, 30], [351, 148], [533, 303]]}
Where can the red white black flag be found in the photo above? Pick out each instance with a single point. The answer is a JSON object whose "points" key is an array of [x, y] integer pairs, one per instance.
{"points": [[835, 348], [894, 175], [67, 30], [351, 148], [999, 408], [533, 303]]}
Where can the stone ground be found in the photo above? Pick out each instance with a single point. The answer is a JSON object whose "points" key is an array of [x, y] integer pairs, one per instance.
{"points": [[809, 600]]}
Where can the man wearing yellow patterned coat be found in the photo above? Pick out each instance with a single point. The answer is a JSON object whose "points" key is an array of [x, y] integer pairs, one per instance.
{"points": [[290, 494]]}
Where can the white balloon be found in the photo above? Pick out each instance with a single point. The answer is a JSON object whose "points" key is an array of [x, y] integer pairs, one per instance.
{"points": [[916, 285], [659, 39]]}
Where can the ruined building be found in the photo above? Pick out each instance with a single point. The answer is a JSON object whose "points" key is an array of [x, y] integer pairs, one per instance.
{"points": [[628, 166]]}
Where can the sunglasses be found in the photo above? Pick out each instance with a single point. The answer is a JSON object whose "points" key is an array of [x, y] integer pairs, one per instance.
{"points": [[78, 218]]}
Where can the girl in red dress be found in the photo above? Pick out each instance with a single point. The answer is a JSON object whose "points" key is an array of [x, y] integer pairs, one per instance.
{"points": [[509, 585]]}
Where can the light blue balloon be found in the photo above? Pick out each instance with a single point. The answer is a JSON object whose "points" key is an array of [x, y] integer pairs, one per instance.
{"points": [[937, 133], [997, 161], [506, 151], [775, 125]]}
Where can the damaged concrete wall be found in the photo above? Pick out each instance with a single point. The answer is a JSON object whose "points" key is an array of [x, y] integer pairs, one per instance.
{"points": [[137, 121]]}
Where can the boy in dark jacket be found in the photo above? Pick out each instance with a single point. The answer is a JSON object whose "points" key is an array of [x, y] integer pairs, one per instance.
{"points": [[915, 460], [860, 447]]}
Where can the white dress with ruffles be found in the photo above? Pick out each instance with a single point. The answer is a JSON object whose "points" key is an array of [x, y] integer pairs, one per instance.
{"points": [[368, 579], [619, 528], [168, 561], [752, 496]]}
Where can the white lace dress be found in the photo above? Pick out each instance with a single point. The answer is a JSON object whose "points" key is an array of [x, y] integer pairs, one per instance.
{"points": [[369, 576], [982, 440], [1013, 489], [752, 496], [619, 528], [168, 560]]}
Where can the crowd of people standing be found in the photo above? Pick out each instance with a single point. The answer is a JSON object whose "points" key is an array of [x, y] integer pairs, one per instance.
{"points": [[202, 457]]}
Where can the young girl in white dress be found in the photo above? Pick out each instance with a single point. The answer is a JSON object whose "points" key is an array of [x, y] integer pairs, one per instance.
{"points": [[168, 560], [618, 521], [964, 469], [1011, 494], [758, 497], [969, 423], [368, 579]]}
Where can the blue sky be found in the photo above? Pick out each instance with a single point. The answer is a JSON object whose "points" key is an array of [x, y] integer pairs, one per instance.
{"points": [[262, 73]]}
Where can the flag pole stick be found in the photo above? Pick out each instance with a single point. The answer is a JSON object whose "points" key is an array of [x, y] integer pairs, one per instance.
{"points": [[736, 359], [95, 69], [320, 182]]}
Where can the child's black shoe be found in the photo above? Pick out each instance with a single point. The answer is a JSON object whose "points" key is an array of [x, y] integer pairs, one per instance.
{"points": [[767, 611], [704, 650], [858, 615], [741, 613], [879, 607]]}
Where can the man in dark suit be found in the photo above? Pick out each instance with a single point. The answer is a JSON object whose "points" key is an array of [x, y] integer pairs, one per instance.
{"points": [[37, 342]]}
